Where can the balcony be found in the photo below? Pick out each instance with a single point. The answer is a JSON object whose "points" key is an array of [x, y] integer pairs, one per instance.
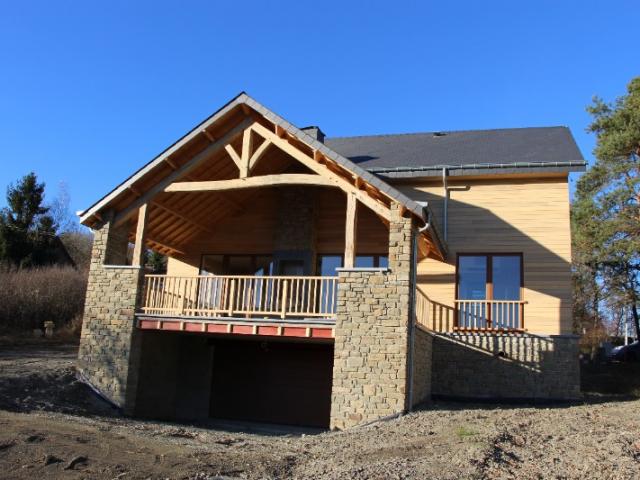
{"points": [[470, 315], [303, 306]]}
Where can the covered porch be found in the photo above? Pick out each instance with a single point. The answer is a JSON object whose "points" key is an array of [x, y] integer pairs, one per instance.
{"points": [[271, 238]]}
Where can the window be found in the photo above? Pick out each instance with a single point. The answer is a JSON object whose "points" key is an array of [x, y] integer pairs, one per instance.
{"points": [[327, 264], [488, 289], [259, 265]]}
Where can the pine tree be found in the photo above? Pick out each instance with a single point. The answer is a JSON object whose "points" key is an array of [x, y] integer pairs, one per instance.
{"points": [[606, 212], [27, 231]]}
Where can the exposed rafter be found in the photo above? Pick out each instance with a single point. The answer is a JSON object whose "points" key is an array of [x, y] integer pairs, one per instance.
{"points": [[183, 170], [308, 161], [175, 213]]}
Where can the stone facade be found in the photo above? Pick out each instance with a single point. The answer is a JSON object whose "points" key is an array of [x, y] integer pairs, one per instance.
{"points": [[109, 345], [510, 366], [422, 365], [372, 335]]}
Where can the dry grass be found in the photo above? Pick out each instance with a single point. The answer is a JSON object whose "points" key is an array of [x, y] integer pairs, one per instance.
{"points": [[29, 297]]}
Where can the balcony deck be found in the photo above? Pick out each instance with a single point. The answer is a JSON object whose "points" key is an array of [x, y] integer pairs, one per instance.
{"points": [[281, 306]]}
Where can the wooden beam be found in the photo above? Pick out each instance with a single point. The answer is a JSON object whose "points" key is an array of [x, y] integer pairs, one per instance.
{"points": [[258, 154], [126, 213], [340, 182], [165, 246], [234, 156], [138, 248], [170, 163], [350, 231], [208, 135], [250, 182], [247, 146]]}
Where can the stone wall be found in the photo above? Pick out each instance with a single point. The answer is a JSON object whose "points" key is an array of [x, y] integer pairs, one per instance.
{"points": [[109, 345], [422, 365], [371, 339], [295, 232], [477, 365]]}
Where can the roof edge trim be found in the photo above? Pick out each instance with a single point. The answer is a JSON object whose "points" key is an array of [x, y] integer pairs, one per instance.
{"points": [[479, 166]]}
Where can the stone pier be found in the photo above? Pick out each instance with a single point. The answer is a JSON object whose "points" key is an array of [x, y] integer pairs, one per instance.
{"points": [[109, 345], [370, 370]]}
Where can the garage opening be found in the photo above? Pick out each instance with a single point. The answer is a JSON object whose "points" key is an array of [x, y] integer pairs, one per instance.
{"points": [[272, 382], [196, 377]]}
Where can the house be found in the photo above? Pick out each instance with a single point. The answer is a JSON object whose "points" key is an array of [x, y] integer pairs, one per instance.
{"points": [[333, 282]]}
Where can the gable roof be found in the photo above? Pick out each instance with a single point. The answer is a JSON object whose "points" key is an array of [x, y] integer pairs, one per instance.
{"points": [[417, 154], [420, 210]]}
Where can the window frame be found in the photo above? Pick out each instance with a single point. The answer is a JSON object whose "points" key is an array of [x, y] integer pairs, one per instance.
{"points": [[225, 260], [489, 281], [376, 259]]}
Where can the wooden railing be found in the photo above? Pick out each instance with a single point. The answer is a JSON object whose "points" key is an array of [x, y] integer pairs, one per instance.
{"points": [[473, 315], [240, 296], [490, 314]]}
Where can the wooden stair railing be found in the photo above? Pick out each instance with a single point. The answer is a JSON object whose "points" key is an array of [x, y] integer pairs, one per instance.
{"points": [[469, 315]]}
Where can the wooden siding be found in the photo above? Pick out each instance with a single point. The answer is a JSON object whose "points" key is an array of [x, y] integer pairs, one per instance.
{"points": [[252, 231], [530, 216]]}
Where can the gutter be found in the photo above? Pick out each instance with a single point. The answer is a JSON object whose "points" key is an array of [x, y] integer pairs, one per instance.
{"points": [[478, 166]]}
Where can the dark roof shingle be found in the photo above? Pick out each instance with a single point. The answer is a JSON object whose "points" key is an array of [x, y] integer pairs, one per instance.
{"points": [[470, 147]]}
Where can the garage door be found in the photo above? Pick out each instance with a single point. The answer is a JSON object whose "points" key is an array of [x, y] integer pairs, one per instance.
{"points": [[274, 382]]}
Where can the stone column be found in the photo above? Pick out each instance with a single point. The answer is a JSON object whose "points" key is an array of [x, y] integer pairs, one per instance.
{"points": [[372, 334], [109, 351], [295, 235]]}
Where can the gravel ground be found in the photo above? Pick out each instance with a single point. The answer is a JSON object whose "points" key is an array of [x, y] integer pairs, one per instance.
{"points": [[52, 426]]}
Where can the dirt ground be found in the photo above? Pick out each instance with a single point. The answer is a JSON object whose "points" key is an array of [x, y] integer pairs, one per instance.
{"points": [[52, 426]]}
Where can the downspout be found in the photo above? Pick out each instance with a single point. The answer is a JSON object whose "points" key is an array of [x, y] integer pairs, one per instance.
{"points": [[412, 309], [445, 207]]}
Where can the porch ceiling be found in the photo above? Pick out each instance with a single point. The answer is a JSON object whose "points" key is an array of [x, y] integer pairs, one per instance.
{"points": [[211, 152]]}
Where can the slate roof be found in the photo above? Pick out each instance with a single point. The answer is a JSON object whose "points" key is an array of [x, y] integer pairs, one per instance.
{"points": [[538, 147]]}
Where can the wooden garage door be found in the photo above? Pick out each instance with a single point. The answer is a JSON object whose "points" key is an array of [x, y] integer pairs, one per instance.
{"points": [[272, 382]]}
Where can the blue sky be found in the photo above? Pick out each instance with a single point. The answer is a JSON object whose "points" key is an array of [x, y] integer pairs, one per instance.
{"points": [[89, 91]]}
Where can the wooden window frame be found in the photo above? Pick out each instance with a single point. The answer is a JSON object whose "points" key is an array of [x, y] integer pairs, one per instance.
{"points": [[489, 280]]}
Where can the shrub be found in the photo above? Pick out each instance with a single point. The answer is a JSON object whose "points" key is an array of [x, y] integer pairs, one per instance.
{"points": [[30, 297]]}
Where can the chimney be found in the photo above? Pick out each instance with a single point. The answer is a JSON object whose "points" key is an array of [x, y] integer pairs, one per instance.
{"points": [[315, 133]]}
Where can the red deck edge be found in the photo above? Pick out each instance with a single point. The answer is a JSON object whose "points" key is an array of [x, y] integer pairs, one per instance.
{"points": [[232, 328]]}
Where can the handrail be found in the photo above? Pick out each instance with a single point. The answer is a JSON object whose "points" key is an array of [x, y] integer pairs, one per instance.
{"points": [[469, 315], [240, 295]]}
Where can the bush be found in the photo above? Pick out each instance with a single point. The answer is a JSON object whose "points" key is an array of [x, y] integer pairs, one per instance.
{"points": [[30, 297]]}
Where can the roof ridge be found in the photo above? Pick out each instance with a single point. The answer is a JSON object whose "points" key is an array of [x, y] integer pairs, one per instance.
{"points": [[443, 131]]}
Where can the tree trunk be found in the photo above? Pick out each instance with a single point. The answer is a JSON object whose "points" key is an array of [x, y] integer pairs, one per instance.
{"points": [[636, 320], [596, 315]]}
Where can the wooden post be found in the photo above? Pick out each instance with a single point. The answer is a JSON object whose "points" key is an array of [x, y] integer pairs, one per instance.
{"points": [[183, 303], [247, 145], [350, 231], [138, 249], [283, 312], [232, 294]]}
